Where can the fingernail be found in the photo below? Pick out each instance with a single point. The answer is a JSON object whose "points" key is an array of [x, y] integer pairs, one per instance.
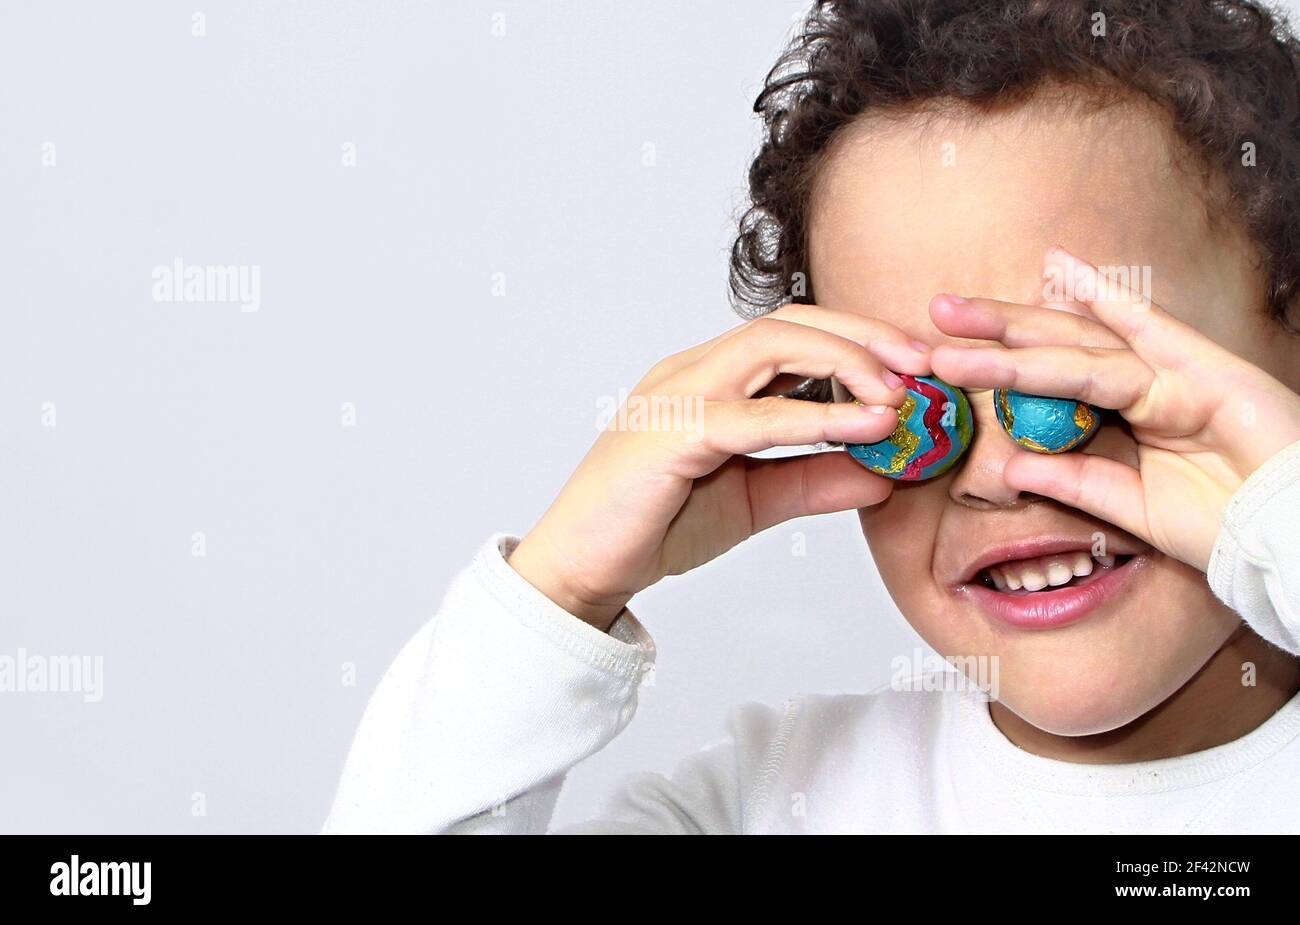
{"points": [[920, 346], [879, 409], [890, 379], [954, 299]]}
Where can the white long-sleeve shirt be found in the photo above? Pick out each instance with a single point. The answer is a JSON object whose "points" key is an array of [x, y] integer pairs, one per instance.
{"points": [[475, 724]]}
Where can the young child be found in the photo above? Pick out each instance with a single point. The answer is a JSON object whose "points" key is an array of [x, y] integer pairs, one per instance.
{"points": [[925, 169]]}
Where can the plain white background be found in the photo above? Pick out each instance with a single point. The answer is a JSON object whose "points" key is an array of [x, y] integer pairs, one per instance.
{"points": [[541, 206]]}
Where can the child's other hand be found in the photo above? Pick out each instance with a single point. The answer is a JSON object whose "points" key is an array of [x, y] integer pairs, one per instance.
{"points": [[666, 488], [1204, 419]]}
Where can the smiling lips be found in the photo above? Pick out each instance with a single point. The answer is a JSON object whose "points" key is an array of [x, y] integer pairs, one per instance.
{"points": [[1046, 584]]}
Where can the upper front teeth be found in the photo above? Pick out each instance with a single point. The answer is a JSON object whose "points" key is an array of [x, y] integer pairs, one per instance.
{"points": [[1036, 574]]}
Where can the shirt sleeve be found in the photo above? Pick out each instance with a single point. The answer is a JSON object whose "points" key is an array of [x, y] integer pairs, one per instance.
{"points": [[485, 709], [1255, 565]]}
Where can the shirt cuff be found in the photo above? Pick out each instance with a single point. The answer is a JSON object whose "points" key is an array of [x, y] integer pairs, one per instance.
{"points": [[627, 649], [1255, 565]]}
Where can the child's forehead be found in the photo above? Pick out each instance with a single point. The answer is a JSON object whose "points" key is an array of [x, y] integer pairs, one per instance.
{"points": [[904, 208]]}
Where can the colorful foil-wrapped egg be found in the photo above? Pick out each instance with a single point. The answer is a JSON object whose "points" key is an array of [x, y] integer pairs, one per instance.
{"points": [[1043, 424], [934, 428]]}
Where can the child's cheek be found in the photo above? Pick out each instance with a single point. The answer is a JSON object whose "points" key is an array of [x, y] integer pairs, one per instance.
{"points": [[901, 534], [1113, 440]]}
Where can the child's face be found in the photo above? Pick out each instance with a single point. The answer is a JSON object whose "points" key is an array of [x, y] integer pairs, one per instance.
{"points": [[908, 208]]}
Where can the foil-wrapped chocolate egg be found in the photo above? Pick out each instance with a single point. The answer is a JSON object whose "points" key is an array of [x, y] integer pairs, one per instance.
{"points": [[1043, 424], [934, 428]]}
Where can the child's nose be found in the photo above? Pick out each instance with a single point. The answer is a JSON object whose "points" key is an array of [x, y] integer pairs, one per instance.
{"points": [[978, 483]]}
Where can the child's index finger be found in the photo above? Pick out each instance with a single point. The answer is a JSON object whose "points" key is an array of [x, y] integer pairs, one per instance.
{"points": [[1016, 325]]}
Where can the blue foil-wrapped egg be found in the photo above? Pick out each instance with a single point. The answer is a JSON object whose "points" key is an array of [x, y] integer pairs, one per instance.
{"points": [[934, 428], [1043, 424]]}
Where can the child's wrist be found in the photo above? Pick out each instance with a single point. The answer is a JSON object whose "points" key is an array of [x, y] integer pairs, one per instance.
{"points": [[528, 562]]}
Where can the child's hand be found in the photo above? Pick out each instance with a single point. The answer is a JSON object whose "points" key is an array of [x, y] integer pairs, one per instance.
{"points": [[660, 497], [1203, 418]]}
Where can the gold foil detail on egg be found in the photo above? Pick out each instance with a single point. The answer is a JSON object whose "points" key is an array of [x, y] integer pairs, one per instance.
{"points": [[1030, 443], [904, 439], [1008, 416]]}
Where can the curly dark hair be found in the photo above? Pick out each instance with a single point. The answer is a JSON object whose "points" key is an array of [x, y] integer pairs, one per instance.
{"points": [[1225, 70]]}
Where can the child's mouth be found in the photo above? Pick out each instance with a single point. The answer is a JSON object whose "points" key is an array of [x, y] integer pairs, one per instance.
{"points": [[1052, 590], [1047, 573]]}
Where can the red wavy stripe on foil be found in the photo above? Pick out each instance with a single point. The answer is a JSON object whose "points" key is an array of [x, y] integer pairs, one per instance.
{"points": [[932, 417]]}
